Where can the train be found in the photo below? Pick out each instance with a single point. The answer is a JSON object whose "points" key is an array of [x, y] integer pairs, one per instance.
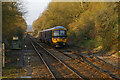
{"points": [[56, 36], [16, 43]]}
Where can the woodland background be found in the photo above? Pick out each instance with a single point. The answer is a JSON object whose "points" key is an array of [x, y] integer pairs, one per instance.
{"points": [[90, 25], [13, 23]]}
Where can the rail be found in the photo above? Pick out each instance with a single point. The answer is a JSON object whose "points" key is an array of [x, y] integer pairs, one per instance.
{"points": [[59, 60], [43, 60]]}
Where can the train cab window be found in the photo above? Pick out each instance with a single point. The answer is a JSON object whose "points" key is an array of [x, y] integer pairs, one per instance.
{"points": [[59, 33], [62, 33], [56, 33]]}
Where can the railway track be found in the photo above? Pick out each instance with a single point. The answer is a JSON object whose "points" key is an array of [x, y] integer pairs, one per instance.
{"points": [[33, 64], [98, 63], [107, 62], [56, 67], [89, 71], [111, 70]]}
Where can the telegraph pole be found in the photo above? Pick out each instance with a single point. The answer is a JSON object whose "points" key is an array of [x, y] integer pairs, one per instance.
{"points": [[3, 54]]}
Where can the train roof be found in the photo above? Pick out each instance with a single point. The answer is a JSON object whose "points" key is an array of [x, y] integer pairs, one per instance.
{"points": [[57, 27]]}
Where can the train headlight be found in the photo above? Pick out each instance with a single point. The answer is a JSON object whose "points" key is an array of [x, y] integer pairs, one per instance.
{"points": [[55, 39]]}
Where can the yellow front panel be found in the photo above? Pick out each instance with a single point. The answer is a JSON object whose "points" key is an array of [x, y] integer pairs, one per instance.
{"points": [[55, 40]]}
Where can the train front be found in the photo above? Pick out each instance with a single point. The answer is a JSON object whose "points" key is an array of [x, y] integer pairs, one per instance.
{"points": [[59, 36]]}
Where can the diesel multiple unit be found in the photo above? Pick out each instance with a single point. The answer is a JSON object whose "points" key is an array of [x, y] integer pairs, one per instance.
{"points": [[56, 36]]}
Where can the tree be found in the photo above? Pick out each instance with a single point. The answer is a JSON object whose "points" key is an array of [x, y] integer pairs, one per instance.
{"points": [[12, 20]]}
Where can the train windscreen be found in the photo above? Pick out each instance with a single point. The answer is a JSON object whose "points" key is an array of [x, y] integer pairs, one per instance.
{"points": [[59, 33]]}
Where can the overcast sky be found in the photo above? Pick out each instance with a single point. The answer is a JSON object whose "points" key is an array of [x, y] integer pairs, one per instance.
{"points": [[35, 8]]}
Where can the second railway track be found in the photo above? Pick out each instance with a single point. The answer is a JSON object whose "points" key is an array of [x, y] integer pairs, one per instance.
{"points": [[56, 67], [112, 71]]}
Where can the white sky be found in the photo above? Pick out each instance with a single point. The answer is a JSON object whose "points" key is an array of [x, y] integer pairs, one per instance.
{"points": [[35, 9]]}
